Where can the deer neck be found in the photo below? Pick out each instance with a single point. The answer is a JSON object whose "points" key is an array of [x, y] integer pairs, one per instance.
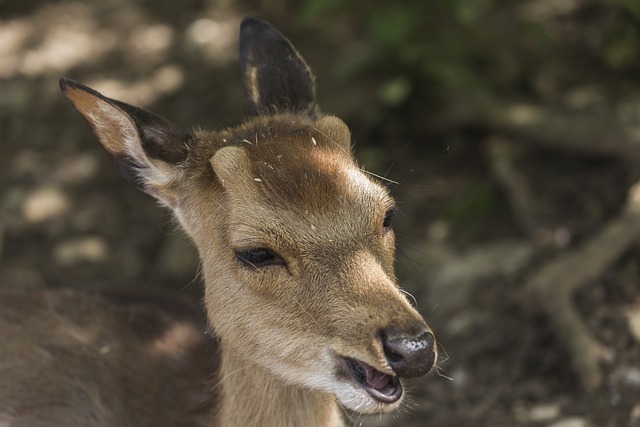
{"points": [[251, 396]]}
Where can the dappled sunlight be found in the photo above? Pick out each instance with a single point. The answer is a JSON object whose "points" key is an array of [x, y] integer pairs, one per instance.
{"points": [[76, 169], [214, 39], [12, 38], [511, 128], [56, 39], [633, 202], [151, 42], [59, 37], [549, 8], [58, 185], [45, 203], [145, 91], [83, 249], [522, 114]]}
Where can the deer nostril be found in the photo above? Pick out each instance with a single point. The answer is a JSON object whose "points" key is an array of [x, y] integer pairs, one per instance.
{"points": [[409, 356]]}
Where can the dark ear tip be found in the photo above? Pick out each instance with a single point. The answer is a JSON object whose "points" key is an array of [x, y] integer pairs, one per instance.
{"points": [[252, 25], [67, 83], [252, 22]]}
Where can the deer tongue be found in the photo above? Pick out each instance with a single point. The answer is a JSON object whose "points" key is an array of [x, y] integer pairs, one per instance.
{"points": [[376, 379], [383, 387]]}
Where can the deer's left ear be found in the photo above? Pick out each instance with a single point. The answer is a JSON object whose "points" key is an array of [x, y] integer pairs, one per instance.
{"points": [[276, 78], [145, 147]]}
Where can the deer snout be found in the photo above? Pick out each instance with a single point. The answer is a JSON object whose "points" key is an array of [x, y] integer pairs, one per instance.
{"points": [[409, 355]]}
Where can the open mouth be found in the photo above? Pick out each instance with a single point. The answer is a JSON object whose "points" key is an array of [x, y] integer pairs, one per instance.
{"points": [[382, 387]]}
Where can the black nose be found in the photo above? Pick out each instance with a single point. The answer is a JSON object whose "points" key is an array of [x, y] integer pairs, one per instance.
{"points": [[409, 355]]}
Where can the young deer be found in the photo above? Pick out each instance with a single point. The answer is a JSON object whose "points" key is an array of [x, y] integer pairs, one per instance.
{"points": [[297, 253]]}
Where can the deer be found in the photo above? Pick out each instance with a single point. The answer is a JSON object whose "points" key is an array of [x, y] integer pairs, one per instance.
{"points": [[302, 316]]}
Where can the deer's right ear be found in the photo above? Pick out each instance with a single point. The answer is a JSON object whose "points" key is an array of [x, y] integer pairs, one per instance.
{"points": [[145, 147], [276, 78]]}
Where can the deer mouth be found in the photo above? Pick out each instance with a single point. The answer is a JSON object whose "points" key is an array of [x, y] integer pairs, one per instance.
{"points": [[382, 387]]}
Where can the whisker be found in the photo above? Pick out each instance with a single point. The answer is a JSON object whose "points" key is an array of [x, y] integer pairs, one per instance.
{"points": [[379, 177], [330, 139], [306, 312], [413, 246], [216, 385], [198, 275], [407, 293], [445, 353], [402, 151], [439, 371]]}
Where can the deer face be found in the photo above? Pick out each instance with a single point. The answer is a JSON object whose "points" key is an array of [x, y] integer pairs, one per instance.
{"points": [[296, 240], [309, 265]]}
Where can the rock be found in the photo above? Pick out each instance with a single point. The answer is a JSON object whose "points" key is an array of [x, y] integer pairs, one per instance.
{"points": [[77, 168], [85, 249], [626, 375], [570, 422], [45, 203], [632, 376], [633, 319], [212, 38], [546, 412], [453, 283]]}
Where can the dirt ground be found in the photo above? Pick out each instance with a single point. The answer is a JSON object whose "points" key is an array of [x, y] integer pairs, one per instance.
{"points": [[68, 220]]}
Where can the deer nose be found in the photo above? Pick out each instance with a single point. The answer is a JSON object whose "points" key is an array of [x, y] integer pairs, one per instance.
{"points": [[409, 355]]}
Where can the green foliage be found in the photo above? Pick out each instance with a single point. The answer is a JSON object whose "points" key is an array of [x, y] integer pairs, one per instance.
{"points": [[433, 42], [480, 47], [395, 91], [312, 9], [473, 206], [632, 7], [392, 25], [620, 51], [421, 57]]}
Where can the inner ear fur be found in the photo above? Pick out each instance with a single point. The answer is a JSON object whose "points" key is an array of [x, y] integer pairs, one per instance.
{"points": [[144, 146], [228, 163]]}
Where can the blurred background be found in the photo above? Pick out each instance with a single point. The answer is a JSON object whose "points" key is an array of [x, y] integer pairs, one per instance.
{"points": [[510, 131]]}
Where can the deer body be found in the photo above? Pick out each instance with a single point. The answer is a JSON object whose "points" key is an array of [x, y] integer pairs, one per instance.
{"points": [[71, 358], [296, 246]]}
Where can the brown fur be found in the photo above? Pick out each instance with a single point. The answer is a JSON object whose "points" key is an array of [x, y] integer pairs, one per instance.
{"points": [[104, 359], [285, 180]]}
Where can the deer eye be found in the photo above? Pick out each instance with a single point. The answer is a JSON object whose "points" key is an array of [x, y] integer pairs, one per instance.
{"points": [[259, 257], [388, 219]]}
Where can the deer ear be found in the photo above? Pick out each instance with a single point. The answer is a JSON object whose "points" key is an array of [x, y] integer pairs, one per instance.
{"points": [[276, 79], [145, 147]]}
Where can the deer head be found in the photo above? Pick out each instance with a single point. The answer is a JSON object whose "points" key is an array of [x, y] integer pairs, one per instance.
{"points": [[296, 239]]}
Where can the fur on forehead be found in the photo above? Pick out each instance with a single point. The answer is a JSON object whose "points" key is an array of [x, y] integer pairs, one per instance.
{"points": [[293, 161], [261, 134]]}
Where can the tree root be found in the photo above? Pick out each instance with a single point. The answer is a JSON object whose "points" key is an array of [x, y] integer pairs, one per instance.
{"points": [[503, 158], [554, 286], [580, 132]]}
